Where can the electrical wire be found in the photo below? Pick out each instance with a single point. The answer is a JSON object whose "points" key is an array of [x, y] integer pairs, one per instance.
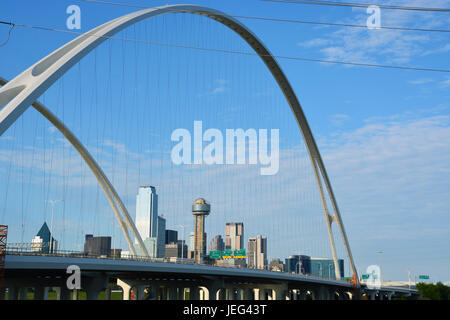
{"points": [[286, 20], [340, 24], [361, 64], [358, 5], [9, 32]]}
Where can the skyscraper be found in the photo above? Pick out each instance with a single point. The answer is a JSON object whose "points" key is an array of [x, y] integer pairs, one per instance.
{"points": [[298, 264], [323, 267], [217, 244], [41, 242], [191, 241], [234, 235], [161, 237], [171, 236], [176, 250], [200, 209], [257, 252], [150, 226], [97, 246]]}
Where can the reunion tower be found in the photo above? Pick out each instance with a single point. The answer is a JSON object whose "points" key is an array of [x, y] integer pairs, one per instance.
{"points": [[200, 209]]}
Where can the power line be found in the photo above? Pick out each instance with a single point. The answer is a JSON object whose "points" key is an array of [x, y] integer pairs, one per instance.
{"points": [[340, 24], [238, 52], [360, 5], [284, 20]]}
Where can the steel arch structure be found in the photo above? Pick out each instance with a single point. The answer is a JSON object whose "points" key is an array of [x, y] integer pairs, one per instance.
{"points": [[22, 91]]}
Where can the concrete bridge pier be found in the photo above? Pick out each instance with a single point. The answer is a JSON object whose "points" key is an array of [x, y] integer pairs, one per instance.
{"points": [[280, 292], [172, 292], [230, 293], [293, 295], [62, 293], [303, 294], [13, 293], [94, 285], [140, 291], [162, 292], [203, 293], [371, 295], [41, 293], [126, 289], [323, 293], [248, 294], [261, 294], [194, 293], [23, 293], [181, 293]]}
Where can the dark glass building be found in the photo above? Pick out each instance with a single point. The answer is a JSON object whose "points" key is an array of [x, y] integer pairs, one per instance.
{"points": [[325, 268], [313, 266], [298, 264], [176, 250], [41, 243], [97, 246], [171, 236]]}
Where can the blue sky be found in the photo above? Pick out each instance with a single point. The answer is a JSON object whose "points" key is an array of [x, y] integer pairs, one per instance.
{"points": [[384, 134]]}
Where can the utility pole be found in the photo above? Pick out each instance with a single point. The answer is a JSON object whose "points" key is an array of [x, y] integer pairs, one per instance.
{"points": [[52, 202]]}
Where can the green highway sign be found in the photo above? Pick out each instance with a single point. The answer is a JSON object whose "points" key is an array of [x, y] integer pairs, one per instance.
{"points": [[424, 277], [227, 254], [215, 254], [239, 253], [365, 276]]}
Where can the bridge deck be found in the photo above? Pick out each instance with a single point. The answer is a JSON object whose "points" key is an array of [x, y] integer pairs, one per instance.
{"points": [[24, 262]]}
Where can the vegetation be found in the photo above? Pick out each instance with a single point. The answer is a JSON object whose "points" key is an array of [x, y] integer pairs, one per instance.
{"points": [[437, 291], [115, 295]]}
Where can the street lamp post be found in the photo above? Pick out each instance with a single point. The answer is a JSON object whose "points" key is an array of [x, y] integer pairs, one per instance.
{"points": [[52, 202]]}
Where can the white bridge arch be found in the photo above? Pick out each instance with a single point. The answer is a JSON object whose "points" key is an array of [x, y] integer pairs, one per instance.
{"points": [[22, 91]]}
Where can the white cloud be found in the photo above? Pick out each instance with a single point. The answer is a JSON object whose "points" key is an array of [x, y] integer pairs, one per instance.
{"points": [[384, 45], [339, 119], [445, 83], [421, 81]]}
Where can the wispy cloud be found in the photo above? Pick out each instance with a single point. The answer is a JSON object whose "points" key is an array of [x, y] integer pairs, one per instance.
{"points": [[384, 45], [445, 83], [339, 119], [421, 81], [221, 87]]}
